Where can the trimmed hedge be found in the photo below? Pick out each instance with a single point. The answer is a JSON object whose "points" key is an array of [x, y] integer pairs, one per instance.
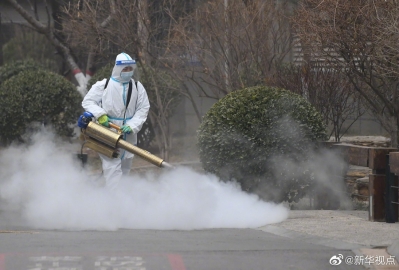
{"points": [[37, 96], [11, 69], [255, 136]]}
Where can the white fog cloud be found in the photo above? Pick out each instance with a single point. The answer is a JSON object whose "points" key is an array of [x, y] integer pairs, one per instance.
{"points": [[47, 189]]}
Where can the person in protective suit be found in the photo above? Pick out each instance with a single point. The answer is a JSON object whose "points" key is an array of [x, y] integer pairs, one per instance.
{"points": [[108, 104]]}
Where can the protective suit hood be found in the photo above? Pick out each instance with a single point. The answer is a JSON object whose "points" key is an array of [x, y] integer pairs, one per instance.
{"points": [[122, 60]]}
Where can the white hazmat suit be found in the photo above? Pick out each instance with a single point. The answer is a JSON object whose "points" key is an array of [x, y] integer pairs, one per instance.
{"points": [[112, 102]]}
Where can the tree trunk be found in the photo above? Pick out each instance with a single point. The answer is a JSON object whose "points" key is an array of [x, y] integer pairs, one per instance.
{"points": [[1, 44], [142, 31], [191, 98], [49, 31], [395, 130]]}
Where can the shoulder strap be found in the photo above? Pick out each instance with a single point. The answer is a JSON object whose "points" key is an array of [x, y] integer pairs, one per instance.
{"points": [[129, 93], [106, 84]]}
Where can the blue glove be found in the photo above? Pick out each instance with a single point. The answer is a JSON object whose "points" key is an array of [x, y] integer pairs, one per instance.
{"points": [[126, 129]]}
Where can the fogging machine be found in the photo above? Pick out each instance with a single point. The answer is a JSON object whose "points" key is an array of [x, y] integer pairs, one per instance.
{"points": [[106, 141]]}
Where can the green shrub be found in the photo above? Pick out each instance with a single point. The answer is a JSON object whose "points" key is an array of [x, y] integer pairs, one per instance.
{"points": [[37, 96], [255, 136], [13, 68]]}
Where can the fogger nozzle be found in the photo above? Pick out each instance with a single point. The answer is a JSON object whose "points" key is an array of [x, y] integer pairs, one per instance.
{"points": [[102, 135], [166, 165]]}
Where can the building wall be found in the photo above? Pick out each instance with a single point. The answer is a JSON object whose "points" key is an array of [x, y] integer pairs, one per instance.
{"points": [[185, 121], [10, 15], [366, 125]]}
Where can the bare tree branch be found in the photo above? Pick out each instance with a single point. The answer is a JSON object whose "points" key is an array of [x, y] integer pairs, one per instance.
{"points": [[360, 38]]}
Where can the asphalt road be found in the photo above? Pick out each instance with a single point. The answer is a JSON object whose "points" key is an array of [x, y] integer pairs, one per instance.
{"points": [[231, 249]]}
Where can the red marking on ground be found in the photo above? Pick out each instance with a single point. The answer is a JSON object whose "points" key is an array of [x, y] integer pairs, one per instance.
{"points": [[2, 262], [175, 260]]}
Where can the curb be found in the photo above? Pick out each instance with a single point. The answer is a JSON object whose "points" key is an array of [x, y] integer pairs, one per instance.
{"points": [[394, 249], [317, 240], [357, 249]]}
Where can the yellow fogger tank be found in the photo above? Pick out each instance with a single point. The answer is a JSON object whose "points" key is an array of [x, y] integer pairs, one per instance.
{"points": [[105, 141]]}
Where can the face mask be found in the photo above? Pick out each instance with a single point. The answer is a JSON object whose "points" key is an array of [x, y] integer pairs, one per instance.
{"points": [[126, 75]]}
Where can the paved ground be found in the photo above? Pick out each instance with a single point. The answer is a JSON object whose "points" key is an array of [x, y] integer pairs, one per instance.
{"points": [[343, 229]]}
